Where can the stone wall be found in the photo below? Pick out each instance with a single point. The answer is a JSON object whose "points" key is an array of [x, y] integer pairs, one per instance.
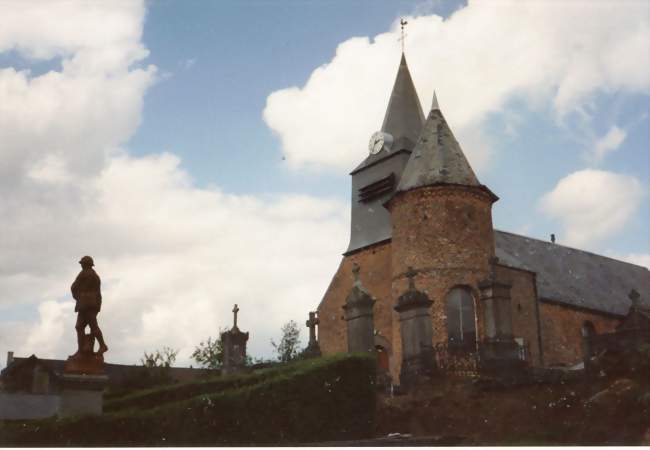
{"points": [[20, 405], [561, 331], [374, 263], [524, 308], [445, 233]]}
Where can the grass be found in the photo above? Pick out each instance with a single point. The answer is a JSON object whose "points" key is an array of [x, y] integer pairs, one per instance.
{"points": [[314, 400]]}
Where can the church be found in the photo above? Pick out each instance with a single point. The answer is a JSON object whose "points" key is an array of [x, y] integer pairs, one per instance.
{"points": [[422, 220]]}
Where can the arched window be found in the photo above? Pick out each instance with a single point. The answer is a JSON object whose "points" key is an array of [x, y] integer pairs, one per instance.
{"points": [[461, 325]]}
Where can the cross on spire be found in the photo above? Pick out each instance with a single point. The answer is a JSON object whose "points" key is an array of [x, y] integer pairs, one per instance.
{"points": [[402, 23], [235, 310], [410, 274]]}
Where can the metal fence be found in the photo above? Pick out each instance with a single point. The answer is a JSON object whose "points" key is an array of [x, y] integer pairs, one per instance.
{"points": [[463, 361]]}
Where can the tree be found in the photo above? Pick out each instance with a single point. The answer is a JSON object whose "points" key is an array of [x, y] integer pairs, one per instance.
{"points": [[209, 354], [159, 358], [157, 369], [287, 349]]}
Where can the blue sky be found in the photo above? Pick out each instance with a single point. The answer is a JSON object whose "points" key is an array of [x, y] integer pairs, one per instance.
{"points": [[200, 151], [216, 76], [220, 60]]}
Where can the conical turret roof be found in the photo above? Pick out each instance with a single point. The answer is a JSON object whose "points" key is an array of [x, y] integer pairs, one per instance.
{"points": [[437, 157], [404, 117]]}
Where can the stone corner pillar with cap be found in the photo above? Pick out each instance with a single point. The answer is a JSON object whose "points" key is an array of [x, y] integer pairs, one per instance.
{"points": [[416, 332], [359, 317], [234, 347], [499, 353]]}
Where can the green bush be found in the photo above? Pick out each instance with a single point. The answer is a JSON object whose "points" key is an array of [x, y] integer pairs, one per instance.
{"points": [[316, 400]]}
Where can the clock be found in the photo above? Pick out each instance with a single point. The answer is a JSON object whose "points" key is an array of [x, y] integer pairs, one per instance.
{"points": [[378, 141]]}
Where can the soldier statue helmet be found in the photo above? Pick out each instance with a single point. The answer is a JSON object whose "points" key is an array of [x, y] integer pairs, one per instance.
{"points": [[86, 290]]}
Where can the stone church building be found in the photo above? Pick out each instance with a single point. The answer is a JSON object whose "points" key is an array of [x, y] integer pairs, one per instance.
{"points": [[420, 214]]}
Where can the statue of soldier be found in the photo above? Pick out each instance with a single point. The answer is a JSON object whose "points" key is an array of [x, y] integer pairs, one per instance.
{"points": [[87, 292]]}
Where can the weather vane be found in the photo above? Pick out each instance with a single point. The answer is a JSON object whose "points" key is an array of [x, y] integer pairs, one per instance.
{"points": [[402, 22]]}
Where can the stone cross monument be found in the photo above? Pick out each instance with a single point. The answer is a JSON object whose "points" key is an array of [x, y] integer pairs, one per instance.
{"points": [[234, 347], [313, 348]]}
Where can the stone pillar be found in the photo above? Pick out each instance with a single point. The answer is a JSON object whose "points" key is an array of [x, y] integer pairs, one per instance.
{"points": [[499, 353], [82, 395], [313, 349], [358, 315], [416, 332], [234, 347]]}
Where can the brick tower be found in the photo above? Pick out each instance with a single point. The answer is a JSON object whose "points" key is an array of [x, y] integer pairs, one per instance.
{"points": [[442, 228], [374, 181]]}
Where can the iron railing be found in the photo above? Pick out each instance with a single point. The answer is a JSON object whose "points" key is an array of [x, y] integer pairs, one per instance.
{"points": [[462, 360]]}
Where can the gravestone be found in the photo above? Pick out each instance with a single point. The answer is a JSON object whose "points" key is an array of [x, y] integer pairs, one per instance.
{"points": [[359, 317], [499, 354], [313, 349], [416, 332], [234, 347], [84, 377]]}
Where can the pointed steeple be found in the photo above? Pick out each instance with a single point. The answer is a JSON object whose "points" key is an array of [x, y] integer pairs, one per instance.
{"points": [[437, 157], [404, 117], [434, 102]]}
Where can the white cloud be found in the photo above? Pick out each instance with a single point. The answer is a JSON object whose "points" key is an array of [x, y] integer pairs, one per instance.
{"points": [[592, 204], [640, 259], [552, 54], [608, 143], [89, 36], [173, 257]]}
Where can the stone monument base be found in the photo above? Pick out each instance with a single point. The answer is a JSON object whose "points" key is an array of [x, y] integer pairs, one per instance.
{"points": [[82, 395], [85, 364], [312, 351], [499, 359], [416, 367]]}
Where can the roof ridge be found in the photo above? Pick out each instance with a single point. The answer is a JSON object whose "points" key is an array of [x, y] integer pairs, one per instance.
{"points": [[571, 248]]}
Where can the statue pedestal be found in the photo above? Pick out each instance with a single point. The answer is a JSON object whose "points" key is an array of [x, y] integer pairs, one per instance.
{"points": [[85, 364], [83, 382], [234, 350], [82, 395], [312, 350]]}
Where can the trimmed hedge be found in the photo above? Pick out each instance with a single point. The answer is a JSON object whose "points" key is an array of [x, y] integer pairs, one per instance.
{"points": [[157, 396], [322, 399]]}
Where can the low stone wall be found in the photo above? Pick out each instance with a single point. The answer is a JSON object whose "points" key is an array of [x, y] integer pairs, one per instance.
{"points": [[16, 406]]}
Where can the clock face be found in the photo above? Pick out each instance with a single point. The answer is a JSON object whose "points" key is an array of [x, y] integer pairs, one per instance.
{"points": [[376, 143]]}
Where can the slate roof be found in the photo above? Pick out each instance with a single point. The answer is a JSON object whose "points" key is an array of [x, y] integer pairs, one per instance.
{"points": [[437, 157], [20, 362], [575, 277], [403, 119]]}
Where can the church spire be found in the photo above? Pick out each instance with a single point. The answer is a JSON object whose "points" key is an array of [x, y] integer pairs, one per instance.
{"points": [[437, 157], [404, 117]]}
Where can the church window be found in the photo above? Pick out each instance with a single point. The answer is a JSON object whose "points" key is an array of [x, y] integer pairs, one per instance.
{"points": [[461, 323]]}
